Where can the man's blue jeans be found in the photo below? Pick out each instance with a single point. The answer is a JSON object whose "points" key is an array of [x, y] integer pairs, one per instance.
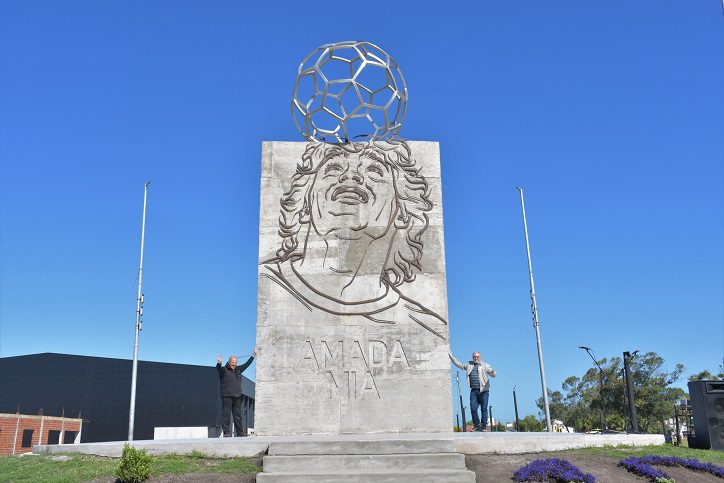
{"points": [[478, 398]]}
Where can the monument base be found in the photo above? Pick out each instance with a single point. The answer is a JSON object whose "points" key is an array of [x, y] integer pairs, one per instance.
{"points": [[465, 443]]}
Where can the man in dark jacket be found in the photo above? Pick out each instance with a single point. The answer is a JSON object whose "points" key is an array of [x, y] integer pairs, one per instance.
{"points": [[230, 379]]}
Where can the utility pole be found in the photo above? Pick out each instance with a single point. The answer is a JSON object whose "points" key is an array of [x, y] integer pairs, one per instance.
{"points": [[462, 408], [515, 403], [534, 309], [627, 356], [139, 322]]}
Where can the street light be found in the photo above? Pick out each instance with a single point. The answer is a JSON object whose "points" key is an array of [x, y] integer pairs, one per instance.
{"points": [[627, 357], [601, 376]]}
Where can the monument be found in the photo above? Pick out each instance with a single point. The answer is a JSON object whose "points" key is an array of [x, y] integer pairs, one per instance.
{"points": [[352, 331]]}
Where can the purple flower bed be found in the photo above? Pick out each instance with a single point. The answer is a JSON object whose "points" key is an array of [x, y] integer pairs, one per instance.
{"points": [[555, 469], [643, 466]]}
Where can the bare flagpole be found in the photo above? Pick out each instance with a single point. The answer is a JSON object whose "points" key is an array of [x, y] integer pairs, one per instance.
{"points": [[139, 322], [534, 309]]}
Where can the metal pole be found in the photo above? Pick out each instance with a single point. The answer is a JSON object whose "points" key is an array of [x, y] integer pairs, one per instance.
{"points": [[601, 376], [457, 419], [534, 309], [625, 397], [139, 313], [490, 412], [462, 408], [676, 421], [515, 403], [630, 389]]}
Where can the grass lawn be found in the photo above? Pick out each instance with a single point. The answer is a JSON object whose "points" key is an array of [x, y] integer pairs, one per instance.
{"points": [[43, 468]]}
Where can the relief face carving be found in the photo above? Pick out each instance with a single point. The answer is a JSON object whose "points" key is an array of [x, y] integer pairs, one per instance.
{"points": [[351, 228], [351, 321]]}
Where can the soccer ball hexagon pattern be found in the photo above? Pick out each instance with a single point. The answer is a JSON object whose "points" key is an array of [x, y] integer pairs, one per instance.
{"points": [[349, 91]]}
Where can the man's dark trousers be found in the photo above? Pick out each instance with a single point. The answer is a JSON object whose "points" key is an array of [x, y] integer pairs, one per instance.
{"points": [[478, 398], [231, 405]]}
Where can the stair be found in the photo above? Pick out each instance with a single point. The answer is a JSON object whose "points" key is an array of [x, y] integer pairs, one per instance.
{"points": [[365, 460]]}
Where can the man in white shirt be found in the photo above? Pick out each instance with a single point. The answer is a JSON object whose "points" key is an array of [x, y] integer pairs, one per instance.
{"points": [[478, 372]]}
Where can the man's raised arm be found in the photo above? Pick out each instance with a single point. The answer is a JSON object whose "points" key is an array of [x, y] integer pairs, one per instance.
{"points": [[219, 367], [247, 363], [457, 362]]}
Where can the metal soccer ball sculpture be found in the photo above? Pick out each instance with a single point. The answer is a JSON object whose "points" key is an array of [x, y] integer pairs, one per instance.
{"points": [[349, 91]]}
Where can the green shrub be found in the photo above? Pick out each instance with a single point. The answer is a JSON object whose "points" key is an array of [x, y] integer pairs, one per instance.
{"points": [[135, 465]]}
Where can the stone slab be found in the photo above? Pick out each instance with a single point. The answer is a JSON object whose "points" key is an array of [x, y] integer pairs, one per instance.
{"points": [[357, 446], [450, 476], [352, 293], [516, 443], [466, 443], [322, 464]]}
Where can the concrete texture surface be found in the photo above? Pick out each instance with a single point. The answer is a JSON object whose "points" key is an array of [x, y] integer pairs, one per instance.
{"points": [[351, 349], [317, 464], [451, 476], [347, 445], [466, 443], [515, 443], [410, 459]]}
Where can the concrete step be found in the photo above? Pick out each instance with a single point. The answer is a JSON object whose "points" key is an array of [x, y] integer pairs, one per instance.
{"points": [[321, 464], [449, 476], [362, 447]]}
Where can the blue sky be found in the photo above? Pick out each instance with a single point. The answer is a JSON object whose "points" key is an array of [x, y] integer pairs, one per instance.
{"points": [[609, 114]]}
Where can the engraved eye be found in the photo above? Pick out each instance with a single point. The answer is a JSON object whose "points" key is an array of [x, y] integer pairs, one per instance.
{"points": [[332, 167], [374, 169]]}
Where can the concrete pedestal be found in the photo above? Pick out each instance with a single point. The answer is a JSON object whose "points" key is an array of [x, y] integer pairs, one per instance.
{"points": [[352, 333]]}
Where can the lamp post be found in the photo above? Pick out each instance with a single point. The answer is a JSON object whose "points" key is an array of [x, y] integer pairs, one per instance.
{"points": [[462, 408], [601, 377], [515, 404], [627, 357]]}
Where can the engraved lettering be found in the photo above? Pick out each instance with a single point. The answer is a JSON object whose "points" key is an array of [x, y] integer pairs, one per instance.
{"points": [[398, 355], [368, 384], [358, 353], [351, 384], [335, 357], [308, 357], [349, 366], [331, 379], [377, 353]]}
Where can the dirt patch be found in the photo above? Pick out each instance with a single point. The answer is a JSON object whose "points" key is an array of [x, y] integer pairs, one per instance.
{"points": [[500, 468]]}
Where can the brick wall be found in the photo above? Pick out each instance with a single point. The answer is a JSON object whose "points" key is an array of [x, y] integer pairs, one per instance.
{"points": [[15, 429]]}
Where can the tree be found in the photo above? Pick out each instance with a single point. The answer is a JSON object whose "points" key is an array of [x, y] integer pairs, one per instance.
{"points": [[706, 375], [531, 424], [582, 403]]}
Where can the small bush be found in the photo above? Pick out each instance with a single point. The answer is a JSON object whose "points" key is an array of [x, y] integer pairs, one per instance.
{"points": [[135, 465]]}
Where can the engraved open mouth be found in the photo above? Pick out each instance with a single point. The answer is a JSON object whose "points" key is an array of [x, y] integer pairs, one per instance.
{"points": [[350, 194]]}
